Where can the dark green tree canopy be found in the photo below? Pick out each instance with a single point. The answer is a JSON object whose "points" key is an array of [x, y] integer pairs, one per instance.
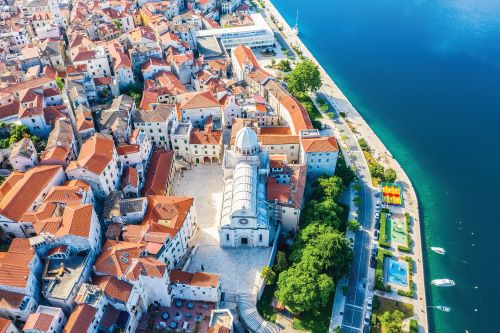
{"points": [[304, 78]]}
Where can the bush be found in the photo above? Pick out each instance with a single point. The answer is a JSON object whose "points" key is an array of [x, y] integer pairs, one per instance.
{"points": [[413, 326], [409, 260]]}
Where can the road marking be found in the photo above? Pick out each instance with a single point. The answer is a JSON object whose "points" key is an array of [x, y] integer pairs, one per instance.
{"points": [[354, 306], [352, 328]]}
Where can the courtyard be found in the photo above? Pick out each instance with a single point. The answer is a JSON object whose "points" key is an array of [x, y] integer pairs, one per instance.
{"points": [[239, 268]]}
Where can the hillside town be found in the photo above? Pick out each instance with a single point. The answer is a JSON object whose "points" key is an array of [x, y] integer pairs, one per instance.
{"points": [[151, 160]]}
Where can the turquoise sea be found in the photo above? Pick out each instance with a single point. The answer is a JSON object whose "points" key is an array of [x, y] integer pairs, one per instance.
{"points": [[425, 74]]}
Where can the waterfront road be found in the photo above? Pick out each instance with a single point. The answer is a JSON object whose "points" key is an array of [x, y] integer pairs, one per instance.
{"points": [[360, 282]]}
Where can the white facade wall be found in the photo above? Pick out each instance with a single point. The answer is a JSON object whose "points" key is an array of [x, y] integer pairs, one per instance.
{"points": [[157, 133], [195, 293], [319, 164], [97, 67], [20, 314], [197, 116], [231, 111], [290, 150], [21, 163]]}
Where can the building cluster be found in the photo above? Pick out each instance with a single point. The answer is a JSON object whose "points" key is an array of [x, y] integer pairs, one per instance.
{"points": [[123, 95]]}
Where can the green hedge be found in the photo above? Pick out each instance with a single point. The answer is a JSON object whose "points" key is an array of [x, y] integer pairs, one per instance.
{"points": [[413, 326], [383, 231], [411, 292], [379, 270], [409, 260], [406, 248]]}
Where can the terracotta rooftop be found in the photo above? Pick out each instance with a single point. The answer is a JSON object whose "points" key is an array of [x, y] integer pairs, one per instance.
{"points": [[80, 319], [198, 279], [95, 154], [321, 144], [158, 173]]}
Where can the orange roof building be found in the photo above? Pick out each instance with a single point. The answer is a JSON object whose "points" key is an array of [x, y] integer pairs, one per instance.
{"points": [[25, 194], [320, 155], [97, 165]]}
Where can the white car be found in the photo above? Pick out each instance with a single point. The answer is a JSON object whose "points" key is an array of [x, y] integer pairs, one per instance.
{"points": [[368, 316], [378, 206], [369, 304]]}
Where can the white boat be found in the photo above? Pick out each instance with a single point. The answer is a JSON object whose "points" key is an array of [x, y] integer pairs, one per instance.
{"points": [[295, 29], [443, 283], [443, 308], [438, 250]]}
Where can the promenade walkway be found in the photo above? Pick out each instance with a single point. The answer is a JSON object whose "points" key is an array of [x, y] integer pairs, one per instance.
{"points": [[361, 129]]}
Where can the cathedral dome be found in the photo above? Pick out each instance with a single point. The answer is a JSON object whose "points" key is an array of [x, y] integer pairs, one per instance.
{"points": [[246, 141]]}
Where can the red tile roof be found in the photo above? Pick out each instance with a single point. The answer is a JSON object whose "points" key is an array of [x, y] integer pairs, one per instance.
{"points": [[321, 144], [95, 154], [198, 279], [80, 319], [114, 288], [158, 173], [26, 190], [39, 322]]}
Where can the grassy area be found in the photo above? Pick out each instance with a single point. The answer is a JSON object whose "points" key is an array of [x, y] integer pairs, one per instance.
{"points": [[264, 305], [371, 160], [384, 233], [382, 305], [315, 321]]}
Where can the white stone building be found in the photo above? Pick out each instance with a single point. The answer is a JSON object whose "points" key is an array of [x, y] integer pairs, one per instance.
{"points": [[245, 217], [97, 165]]}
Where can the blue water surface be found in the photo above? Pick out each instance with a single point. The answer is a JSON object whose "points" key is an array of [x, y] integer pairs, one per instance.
{"points": [[425, 74]]}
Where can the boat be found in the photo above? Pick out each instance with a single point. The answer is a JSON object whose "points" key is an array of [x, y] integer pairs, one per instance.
{"points": [[295, 29], [438, 250], [443, 308], [443, 283]]}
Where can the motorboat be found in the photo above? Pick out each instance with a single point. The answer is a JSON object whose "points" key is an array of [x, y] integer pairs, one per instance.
{"points": [[438, 250], [443, 308], [443, 283]]}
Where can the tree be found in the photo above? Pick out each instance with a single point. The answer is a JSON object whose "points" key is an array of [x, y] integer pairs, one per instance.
{"points": [[281, 262], [390, 175], [304, 78], [268, 275], [323, 248], [117, 23], [357, 201], [364, 145], [353, 225], [330, 187], [135, 91], [343, 171], [393, 321], [284, 65], [60, 83], [376, 170], [301, 288]]}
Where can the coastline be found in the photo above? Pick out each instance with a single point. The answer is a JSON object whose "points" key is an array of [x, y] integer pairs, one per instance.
{"points": [[342, 104]]}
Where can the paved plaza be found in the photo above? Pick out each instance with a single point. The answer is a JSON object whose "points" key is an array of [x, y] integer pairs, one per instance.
{"points": [[239, 268]]}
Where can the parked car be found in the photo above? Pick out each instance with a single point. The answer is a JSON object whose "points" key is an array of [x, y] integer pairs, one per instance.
{"points": [[376, 234], [368, 316], [366, 329], [376, 193], [373, 262], [377, 216], [378, 206], [374, 250], [377, 225], [369, 304]]}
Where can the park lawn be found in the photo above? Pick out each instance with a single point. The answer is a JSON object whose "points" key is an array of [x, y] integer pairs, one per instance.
{"points": [[371, 160], [264, 305], [315, 321], [385, 304]]}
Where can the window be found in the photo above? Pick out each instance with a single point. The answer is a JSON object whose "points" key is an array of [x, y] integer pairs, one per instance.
{"points": [[227, 237], [260, 238]]}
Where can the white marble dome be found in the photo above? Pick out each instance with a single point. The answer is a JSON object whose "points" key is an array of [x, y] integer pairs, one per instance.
{"points": [[246, 141]]}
